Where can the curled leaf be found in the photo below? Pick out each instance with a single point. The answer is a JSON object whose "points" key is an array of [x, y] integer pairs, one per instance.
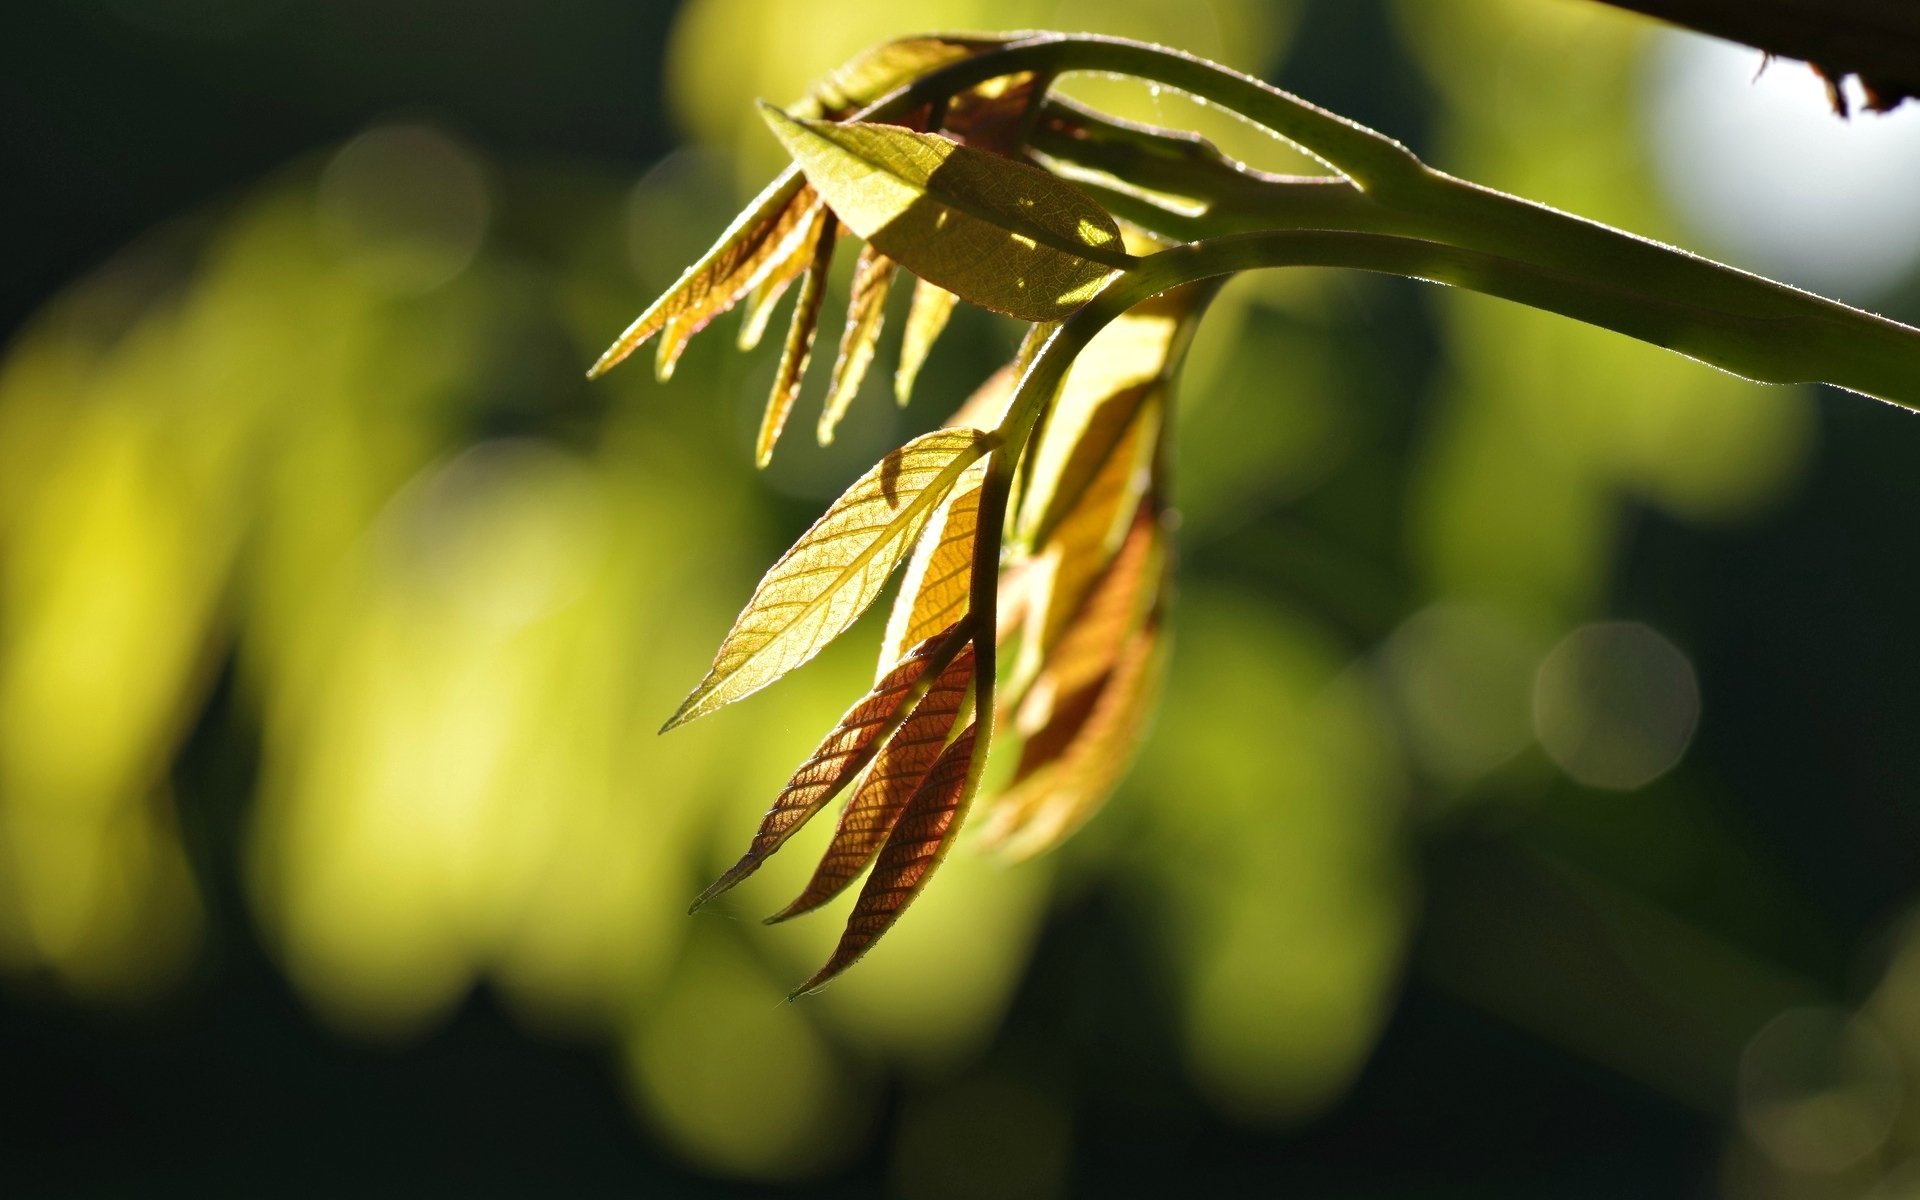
{"points": [[799, 345], [895, 778], [829, 577], [843, 754], [926, 317], [757, 241], [876, 71], [866, 310], [1001, 234], [914, 849]]}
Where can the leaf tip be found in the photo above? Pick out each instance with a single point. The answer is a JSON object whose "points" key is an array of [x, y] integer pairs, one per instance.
{"points": [[747, 865]]}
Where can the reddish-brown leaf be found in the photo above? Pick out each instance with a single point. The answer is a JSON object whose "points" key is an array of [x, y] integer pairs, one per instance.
{"points": [[794, 355], [841, 755], [898, 773], [866, 311], [913, 851]]}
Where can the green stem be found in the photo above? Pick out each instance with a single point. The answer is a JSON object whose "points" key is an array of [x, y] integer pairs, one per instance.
{"points": [[1400, 216]]}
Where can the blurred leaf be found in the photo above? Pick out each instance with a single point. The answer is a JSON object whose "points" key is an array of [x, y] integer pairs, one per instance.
{"points": [[1054, 798], [822, 585], [757, 241], [933, 590], [866, 310], [1001, 234], [918, 842], [799, 344], [926, 318], [880, 69], [840, 757], [896, 776]]}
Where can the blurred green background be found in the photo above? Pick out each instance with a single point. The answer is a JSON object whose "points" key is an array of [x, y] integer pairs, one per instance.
{"points": [[1534, 809]]}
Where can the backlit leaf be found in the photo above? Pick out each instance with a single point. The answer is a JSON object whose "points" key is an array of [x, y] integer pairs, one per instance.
{"points": [[933, 589], [926, 317], [866, 310], [767, 293], [896, 776], [843, 754], [1043, 808], [1001, 234], [876, 71], [757, 241], [822, 585], [799, 345], [915, 847]]}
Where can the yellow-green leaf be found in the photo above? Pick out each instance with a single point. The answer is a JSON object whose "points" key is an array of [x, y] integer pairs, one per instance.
{"points": [[1001, 234], [766, 294], [822, 585], [927, 316], [933, 589], [876, 71], [799, 346], [866, 310], [841, 755], [883, 795], [756, 242], [914, 849]]}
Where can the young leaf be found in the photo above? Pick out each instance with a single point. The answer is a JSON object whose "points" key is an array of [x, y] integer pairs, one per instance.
{"points": [[876, 71], [841, 756], [913, 850], [933, 589], [767, 293], [1045, 806], [1001, 234], [866, 309], [799, 345], [759, 238], [883, 795], [926, 317], [823, 584]]}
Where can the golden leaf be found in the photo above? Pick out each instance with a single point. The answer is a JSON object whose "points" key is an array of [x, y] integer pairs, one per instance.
{"points": [[914, 849], [895, 778], [933, 589], [926, 317], [822, 585], [757, 241], [799, 345], [1042, 809], [1001, 234], [842, 754], [866, 310], [767, 293]]}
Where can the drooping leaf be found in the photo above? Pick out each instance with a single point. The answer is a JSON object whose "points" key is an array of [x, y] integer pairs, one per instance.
{"points": [[894, 779], [829, 577], [766, 294], [933, 589], [1046, 805], [843, 754], [878, 70], [799, 345], [913, 850], [866, 310], [926, 317], [759, 238], [1001, 234]]}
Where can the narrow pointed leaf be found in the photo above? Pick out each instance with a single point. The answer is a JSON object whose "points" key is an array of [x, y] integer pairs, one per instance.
{"points": [[842, 755], [766, 294], [1001, 234], [896, 776], [866, 310], [926, 318], [822, 585], [933, 588], [914, 849], [756, 241], [1043, 808], [799, 345]]}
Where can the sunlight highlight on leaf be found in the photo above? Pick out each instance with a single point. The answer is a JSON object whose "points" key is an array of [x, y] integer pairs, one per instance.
{"points": [[757, 241], [843, 754], [822, 585], [914, 849], [1001, 234], [896, 775], [933, 589], [926, 318], [866, 310], [799, 345]]}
